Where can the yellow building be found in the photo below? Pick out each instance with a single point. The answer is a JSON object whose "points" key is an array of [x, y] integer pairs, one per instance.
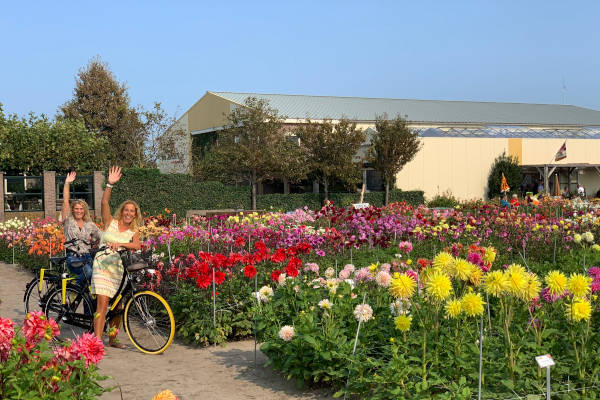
{"points": [[461, 139]]}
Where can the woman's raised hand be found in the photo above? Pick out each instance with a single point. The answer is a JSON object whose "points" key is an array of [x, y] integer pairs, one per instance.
{"points": [[114, 174], [70, 177]]}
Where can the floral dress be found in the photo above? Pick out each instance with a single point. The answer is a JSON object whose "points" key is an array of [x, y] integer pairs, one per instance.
{"points": [[108, 267]]}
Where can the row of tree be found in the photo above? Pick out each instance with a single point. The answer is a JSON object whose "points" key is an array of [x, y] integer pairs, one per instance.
{"points": [[97, 127], [256, 145]]}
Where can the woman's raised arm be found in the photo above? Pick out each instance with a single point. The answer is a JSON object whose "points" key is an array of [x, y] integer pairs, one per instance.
{"points": [[114, 174], [66, 195]]}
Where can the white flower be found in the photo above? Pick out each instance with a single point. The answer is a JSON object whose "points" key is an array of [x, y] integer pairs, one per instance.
{"points": [[326, 304], [329, 272], [363, 312], [350, 282], [400, 307], [281, 279], [332, 285], [265, 293], [383, 279], [286, 333], [588, 237]]}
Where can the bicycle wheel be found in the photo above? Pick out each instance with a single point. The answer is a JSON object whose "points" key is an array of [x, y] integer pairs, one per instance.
{"points": [[149, 322], [75, 316], [35, 297]]}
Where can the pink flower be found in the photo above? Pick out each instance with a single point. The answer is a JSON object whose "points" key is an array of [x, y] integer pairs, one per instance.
{"points": [[344, 274], [595, 272], [405, 246], [37, 327], [313, 267], [383, 279], [385, 267], [89, 347], [7, 332]]}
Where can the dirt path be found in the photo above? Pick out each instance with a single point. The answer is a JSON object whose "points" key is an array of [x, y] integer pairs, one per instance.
{"points": [[191, 373]]}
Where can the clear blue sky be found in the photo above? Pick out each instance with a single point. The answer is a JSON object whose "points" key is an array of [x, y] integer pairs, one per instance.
{"points": [[173, 52]]}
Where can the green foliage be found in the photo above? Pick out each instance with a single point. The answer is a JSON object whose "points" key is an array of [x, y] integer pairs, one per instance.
{"points": [[331, 151], [34, 144], [509, 165], [290, 202], [179, 192], [394, 145], [22, 257], [445, 200], [22, 375]]}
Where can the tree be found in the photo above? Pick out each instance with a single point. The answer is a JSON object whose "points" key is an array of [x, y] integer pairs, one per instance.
{"points": [[34, 144], [509, 165], [392, 148], [252, 147], [163, 138], [103, 105], [332, 151]]}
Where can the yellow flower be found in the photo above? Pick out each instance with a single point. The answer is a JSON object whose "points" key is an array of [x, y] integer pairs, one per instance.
{"points": [[462, 269], [577, 238], [453, 308], [439, 286], [476, 276], [532, 287], [490, 255], [443, 261], [557, 282], [495, 283], [517, 280], [403, 286], [579, 284], [165, 395], [472, 304], [579, 310], [402, 322]]}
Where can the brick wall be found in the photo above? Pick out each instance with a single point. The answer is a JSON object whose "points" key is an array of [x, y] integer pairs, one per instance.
{"points": [[49, 194]]}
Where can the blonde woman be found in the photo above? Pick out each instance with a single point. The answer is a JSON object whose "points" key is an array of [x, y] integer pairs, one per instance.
{"points": [[120, 233], [78, 225]]}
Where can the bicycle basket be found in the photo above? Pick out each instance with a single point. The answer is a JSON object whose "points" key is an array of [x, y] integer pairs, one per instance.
{"points": [[136, 261]]}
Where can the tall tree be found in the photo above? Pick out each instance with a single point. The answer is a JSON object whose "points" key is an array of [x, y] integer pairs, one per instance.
{"points": [[332, 151], [163, 138], [34, 144], [252, 146], [394, 145], [103, 104]]}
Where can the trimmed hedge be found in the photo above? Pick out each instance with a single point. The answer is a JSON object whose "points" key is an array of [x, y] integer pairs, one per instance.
{"points": [[154, 192], [287, 202]]}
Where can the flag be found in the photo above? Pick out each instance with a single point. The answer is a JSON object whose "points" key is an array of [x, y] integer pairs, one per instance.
{"points": [[504, 185], [562, 152]]}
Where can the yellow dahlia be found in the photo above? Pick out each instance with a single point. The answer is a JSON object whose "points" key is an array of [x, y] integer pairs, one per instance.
{"points": [[165, 395], [403, 286], [472, 304], [490, 255], [443, 261], [517, 280], [462, 269], [495, 283], [476, 276], [579, 310], [579, 284], [532, 287], [557, 282], [439, 286], [453, 308], [402, 322]]}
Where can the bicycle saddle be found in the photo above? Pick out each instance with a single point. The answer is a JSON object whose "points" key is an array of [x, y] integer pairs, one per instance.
{"points": [[58, 260]]}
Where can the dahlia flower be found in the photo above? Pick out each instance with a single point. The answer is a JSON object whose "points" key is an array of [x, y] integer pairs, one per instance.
{"points": [[557, 282], [403, 286], [286, 333], [402, 322], [363, 312], [472, 304]]}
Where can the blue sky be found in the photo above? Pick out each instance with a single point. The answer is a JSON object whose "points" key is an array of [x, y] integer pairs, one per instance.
{"points": [[173, 52]]}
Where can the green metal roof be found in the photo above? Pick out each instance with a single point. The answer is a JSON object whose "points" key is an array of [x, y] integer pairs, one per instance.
{"points": [[434, 111]]}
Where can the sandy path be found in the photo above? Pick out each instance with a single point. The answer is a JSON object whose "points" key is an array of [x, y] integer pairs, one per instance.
{"points": [[191, 373]]}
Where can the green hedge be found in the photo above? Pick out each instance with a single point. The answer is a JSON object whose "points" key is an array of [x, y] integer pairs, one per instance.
{"points": [[154, 192], [287, 202]]}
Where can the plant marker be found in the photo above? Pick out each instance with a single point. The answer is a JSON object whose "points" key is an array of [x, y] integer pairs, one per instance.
{"points": [[356, 339], [214, 293], [546, 361], [480, 357]]}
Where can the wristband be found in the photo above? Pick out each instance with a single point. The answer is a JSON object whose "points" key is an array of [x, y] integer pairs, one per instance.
{"points": [[108, 185]]}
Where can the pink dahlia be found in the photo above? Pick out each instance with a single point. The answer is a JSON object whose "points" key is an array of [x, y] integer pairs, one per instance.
{"points": [[7, 332], [37, 327], [89, 347]]}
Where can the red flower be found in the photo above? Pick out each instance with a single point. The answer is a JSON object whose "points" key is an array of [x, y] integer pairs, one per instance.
{"points": [[219, 277], [292, 271], [250, 271], [275, 275], [260, 246], [278, 256], [294, 262], [240, 242], [203, 281], [37, 327]]}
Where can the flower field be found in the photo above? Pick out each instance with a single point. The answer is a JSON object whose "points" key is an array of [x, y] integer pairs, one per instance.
{"points": [[421, 284]]}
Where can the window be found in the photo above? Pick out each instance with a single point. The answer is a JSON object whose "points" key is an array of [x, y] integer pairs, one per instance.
{"points": [[82, 189], [23, 193]]}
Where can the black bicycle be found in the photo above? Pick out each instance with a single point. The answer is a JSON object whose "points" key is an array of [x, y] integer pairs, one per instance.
{"points": [[147, 317], [48, 279]]}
